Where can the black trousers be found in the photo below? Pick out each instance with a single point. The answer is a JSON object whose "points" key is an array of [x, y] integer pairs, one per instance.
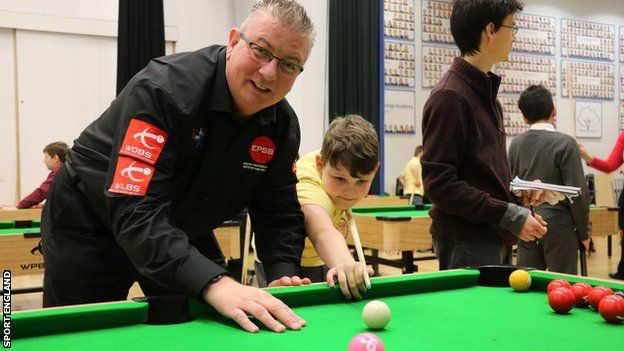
{"points": [[468, 253], [83, 262]]}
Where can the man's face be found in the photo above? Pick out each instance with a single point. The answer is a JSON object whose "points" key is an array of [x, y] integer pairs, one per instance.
{"points": [[344, 190], [503, 39], [254, 84]]}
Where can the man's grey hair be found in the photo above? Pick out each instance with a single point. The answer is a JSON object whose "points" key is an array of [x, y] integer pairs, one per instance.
{"points": [[287, 12]]}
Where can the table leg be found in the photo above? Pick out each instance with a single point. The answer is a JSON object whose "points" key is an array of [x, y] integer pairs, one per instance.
{"points": [[408, 262]]}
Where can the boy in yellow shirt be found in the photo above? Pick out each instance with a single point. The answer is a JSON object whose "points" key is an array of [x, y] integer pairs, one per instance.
{"points": [[331, 181], [411, 176]]}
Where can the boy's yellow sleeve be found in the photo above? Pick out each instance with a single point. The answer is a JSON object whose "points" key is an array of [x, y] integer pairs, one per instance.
{"points": [[310, 190]]}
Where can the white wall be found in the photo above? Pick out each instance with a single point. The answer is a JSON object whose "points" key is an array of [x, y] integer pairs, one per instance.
{"points": [[399, 147], [8, 150]]}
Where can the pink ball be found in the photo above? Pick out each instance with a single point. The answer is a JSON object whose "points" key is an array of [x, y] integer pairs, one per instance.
{"points": [[366, 342]]}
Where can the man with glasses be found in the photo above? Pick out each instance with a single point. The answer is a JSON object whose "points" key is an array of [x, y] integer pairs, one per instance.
{"points": [[191, 141], [465, 168]]}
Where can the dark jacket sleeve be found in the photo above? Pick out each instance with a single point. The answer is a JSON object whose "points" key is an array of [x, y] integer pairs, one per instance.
{"points": [[445, 136], [572, 174], [141, 223], [276, 214]]}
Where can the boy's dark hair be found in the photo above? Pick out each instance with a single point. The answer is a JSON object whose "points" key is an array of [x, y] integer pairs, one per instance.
{"points": [[536, 103], [470, 17], [57, 148], [351, 141], [419, 149]]}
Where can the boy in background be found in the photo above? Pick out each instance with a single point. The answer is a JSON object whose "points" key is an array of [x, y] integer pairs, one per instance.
{"points": [[552, 157], [411, 177], [54, 156]]}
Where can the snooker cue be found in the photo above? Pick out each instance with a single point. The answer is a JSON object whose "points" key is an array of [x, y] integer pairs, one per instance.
{"points": [[411, 201], [246, 244], [358, 247]]}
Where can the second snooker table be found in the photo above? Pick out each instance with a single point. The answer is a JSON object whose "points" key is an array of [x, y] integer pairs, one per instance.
{"points": [[393, 228], [467, 309]]}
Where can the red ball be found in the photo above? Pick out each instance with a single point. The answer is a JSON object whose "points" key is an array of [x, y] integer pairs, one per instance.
{"points": [[557, 283], [366, 342], [561, 300], [580, 291], [596, 294], [611, 308]]}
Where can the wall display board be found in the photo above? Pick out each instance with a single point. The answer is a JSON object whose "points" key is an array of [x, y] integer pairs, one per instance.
{"points": [[399, 111], [435, 62], [622, 44], [512, 117], [399, 19], [588, 40], [522, 71], [536, 34], [435, 21], [588, 119], [588, 80], [399, 64], [621, 109]]}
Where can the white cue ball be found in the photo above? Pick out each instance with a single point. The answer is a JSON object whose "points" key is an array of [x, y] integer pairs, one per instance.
{"points": [[376, 314]]}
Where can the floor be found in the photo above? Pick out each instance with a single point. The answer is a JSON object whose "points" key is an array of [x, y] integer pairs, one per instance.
{"points": [[599, 265]]}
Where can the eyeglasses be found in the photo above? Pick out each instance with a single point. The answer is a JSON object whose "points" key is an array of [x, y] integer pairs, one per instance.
{"points": [[262, 55], [514, 30]]}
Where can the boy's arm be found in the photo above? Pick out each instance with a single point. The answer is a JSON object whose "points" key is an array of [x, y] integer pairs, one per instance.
{"points": [[38, 194], [572, 174], [415, 169], [332, 248]]}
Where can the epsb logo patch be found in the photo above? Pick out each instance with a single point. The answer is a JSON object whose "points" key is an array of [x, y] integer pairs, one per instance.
{"points": [[132, 177], [262, 150], [143, 141]]}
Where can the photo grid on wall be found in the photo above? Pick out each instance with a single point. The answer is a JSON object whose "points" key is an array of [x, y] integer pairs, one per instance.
{"points": [[586, 59], [587, 71], [438, 47], [399, 67]]}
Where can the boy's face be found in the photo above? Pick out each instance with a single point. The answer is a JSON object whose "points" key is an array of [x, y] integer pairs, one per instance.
{"points": [[50, 161], [344, 189]]}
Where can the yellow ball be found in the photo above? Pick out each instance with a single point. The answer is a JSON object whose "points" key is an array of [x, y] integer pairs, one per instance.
{"points": [[520, 280]]}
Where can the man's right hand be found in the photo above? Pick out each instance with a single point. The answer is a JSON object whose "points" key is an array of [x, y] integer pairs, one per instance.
{"points": [[534, 228], [235, 301]]}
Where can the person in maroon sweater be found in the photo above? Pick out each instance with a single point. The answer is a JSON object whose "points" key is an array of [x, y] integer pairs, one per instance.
{"points": [[465, 168], [54, 156]]}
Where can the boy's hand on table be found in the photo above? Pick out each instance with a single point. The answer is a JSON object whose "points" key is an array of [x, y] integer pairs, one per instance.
{"points": [[350, 277]]}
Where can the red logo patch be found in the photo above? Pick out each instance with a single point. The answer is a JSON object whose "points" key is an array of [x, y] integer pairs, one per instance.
{"points": [[262, 150], [143, 141], [132, 177]]}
